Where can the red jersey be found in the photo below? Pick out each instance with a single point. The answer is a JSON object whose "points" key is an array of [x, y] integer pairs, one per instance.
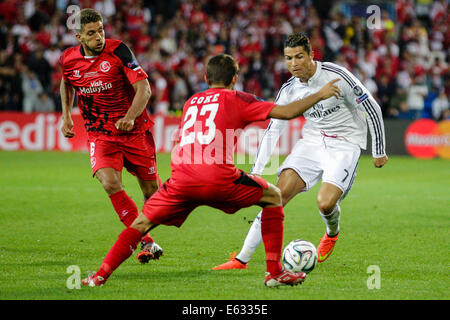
{"points": [[103, 86], [211, 123]]}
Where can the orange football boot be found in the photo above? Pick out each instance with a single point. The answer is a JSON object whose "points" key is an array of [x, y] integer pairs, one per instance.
{"points": [[326, 247], [232, 263]]}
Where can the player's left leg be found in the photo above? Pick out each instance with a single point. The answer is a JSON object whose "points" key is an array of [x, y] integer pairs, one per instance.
{"points": [[149, 247], [272, 229], [250, 190], [111, 180], [140, 160], [125, 207], [328, 203], [340, 162], [148, 188], [165, 207], [329, 210], [290, 184], [121, 250]]}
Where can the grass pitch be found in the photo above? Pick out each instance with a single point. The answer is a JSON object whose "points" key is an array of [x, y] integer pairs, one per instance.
{"points": [[53, 215]]}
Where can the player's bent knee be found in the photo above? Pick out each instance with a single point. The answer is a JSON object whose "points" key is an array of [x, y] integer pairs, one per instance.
{"points": [[290, 185], [112, 188], [326, 206], [149, 188], [149, 192], [110, 180], [285, 198], [271, 196], [142, 224], [110, 184]]}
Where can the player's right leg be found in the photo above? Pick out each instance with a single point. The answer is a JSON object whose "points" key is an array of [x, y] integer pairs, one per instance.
{"points": [[140, 160], [289, 184], [339, 165], [149, 247], [328, 203], [272, 229], [166, 206], [121, 250], [125, 207]]}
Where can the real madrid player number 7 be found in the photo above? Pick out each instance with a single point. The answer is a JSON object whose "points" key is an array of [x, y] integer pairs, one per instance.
{"points": [[333, 136]]}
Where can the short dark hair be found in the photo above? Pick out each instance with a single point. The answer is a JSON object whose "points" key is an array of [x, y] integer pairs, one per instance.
{"points": [[221, 69], [88, 15], [298, 40]]}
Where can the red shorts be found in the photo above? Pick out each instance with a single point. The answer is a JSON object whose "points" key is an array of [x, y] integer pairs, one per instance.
{"points": [[135, 152], [172, 203]]}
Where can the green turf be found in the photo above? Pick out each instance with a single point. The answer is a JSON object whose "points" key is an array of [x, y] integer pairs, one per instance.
{"points": [[54, 215]]}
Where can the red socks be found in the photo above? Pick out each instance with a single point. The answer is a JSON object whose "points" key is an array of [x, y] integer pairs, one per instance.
{"points": [[125, 207], [126, 210], [272, 229], [121, 250]]}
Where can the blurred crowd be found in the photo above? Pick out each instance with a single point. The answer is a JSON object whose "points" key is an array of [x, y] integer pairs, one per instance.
{"points": [[400, 55]]}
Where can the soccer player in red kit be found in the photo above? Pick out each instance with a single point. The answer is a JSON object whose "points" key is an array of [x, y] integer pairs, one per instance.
{"points": [[203, 170], [112, 92]]}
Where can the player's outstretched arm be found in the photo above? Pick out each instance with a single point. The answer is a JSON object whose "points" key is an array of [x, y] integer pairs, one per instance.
{"points": [[143, 94], [67, 96], [296, 108]]}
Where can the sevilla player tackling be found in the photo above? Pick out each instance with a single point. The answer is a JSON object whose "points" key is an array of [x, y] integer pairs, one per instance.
{"points": [[203, 172]]}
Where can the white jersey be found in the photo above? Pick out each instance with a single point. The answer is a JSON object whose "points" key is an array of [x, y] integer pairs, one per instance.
{"points": [[345, 118]]}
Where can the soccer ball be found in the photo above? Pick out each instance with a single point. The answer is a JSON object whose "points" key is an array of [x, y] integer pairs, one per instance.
{"points": [[300, 256]]}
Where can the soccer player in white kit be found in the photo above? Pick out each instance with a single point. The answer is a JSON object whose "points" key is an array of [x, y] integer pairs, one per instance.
{"points": [[333, 136]]}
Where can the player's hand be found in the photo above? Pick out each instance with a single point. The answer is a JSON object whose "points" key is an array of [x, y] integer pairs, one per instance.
{"points": [[379, 162], [124, 124], [67, 127], [330, 89]]}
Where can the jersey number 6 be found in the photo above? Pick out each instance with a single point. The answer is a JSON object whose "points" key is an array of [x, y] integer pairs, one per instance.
{"points": [[190, 120]]}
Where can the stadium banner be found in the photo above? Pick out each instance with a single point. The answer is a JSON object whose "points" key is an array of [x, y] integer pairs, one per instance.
{"points": [[426, 138], [41, 132], [422, 138]]}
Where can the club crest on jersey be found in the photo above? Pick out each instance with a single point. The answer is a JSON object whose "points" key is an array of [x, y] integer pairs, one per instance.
{"points": [[105, 66], [360, 94], [93, 162], [357, 91]]}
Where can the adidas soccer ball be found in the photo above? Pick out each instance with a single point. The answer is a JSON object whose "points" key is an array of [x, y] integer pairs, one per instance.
{"points": [[300, 256]]}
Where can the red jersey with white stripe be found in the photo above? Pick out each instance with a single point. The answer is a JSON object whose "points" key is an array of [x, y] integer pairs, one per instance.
{"points": [[211, 123], [103, 86]]}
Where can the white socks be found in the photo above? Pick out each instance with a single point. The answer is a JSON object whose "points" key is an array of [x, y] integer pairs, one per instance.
{"points": [[252, 241], [332, 220], [254, 237]]}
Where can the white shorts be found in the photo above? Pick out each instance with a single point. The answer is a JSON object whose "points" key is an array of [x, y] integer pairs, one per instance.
{"points": [[330, 159]]}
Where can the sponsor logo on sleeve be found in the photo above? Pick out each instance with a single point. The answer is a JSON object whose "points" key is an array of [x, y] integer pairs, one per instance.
{"points": [[134, 65], [359, 92], [362, 98]]}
